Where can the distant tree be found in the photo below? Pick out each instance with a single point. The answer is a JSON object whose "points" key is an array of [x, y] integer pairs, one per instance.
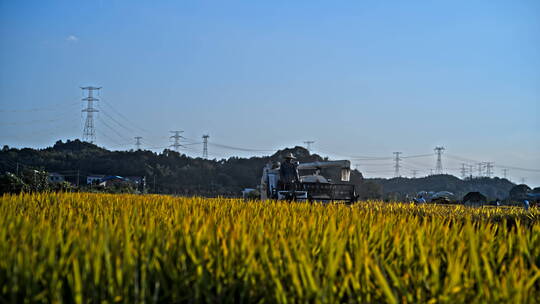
{"points": [[37, 180], [29, 181], [519, 192], [369, 190], [173, 172], [63, 187], [10, 183]]}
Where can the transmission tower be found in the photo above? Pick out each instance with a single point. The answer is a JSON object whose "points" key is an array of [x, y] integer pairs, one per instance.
{"points": [[138, 142], [505, 172], [470, 171], [176, 138], [463, 171], [414, 173], [397, 159], [523, 180], [89, 133], [480, 169], [489, 169], [438, 167], [205, 146], [308, 144]]}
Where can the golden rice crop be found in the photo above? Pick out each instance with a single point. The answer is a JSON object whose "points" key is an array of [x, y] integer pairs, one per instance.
{"points": [[85, 248]]}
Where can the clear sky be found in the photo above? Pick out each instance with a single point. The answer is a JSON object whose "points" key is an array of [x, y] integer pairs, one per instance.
{"points": [[361, 78]]}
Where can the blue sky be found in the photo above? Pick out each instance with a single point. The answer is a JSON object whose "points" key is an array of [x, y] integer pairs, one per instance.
{"points": [[358, 77]]}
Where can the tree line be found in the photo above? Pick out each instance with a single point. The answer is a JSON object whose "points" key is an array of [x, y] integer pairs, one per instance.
{"points": [[172, 172]]}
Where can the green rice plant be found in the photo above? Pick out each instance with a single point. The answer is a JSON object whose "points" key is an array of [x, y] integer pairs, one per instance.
{"points": [[88, 248]]}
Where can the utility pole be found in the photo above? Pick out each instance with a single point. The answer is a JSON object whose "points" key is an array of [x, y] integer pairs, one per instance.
{"points": [[308, 144], [89, 133], [397, 159], [439, 167], [205, 146], [138, 142], [489, 168], [463, 171], [176, 138], [505, 172], [414, 172]]}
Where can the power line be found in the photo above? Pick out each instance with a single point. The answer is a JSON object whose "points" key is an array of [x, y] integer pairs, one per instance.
{"points": [[114, 141], [417, 156], [36, 121], [53, 107], [518, 168], [113, 130], [105, 102], [417, 164], [497, 166], [375, 158], [116, 121], [62, 116], [238, 148], [370, 158], [378, 171], [468, 160], [386, 164]]}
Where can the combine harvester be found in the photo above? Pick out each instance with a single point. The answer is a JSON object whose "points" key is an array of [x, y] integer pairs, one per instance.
{"points": [[314, 187]]}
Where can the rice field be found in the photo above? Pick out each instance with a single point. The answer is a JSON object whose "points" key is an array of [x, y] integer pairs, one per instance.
{"points": [[89, 248]]}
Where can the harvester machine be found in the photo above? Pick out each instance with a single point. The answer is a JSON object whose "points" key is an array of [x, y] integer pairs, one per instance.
{"points": [[312, 187]]}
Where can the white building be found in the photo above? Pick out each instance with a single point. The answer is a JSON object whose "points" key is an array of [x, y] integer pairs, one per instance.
{"points": [[56, 177]]}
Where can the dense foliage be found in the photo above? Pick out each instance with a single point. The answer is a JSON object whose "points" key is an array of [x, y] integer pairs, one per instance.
{"points": [[166, 172], [79, 247], [30, 181]]}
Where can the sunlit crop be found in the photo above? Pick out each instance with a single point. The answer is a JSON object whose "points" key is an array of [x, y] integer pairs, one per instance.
{"points": [[125, 248]]}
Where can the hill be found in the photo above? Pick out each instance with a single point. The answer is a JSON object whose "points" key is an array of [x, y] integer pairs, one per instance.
{"points": [[399, 187], [166, 172]]}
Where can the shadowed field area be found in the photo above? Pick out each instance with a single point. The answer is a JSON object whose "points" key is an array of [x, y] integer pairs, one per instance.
{"points": [[79, 248]]}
